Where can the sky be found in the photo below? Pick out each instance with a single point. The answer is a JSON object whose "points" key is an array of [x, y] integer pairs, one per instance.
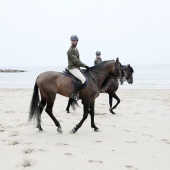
{"points": [[37, 32]]}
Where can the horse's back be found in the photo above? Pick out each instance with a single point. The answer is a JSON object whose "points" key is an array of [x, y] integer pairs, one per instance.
{"points": [[48, 76], [52, 81]]}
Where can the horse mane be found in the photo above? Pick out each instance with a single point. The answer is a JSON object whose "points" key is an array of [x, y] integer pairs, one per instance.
{"points": [[98, 66], [132, 70]]}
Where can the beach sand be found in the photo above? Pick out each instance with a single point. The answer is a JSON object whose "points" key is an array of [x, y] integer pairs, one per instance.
{"points": [[137, 137]]}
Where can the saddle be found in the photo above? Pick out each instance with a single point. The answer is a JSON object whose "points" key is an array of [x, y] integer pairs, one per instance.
{"points": [[74, 79]]}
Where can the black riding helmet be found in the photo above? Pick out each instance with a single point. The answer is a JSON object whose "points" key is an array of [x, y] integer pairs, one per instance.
{"points": [[74, 38], [98, 53]]}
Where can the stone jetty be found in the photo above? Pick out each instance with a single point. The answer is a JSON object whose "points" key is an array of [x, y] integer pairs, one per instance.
{"points": [[11, 71]]}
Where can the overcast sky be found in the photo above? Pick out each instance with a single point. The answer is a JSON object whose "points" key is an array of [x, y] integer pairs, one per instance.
{"points": [[37, 32]]}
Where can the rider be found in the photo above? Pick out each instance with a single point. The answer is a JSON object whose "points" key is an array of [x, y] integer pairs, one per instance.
{"points": [[74, 64], [98, 58]]}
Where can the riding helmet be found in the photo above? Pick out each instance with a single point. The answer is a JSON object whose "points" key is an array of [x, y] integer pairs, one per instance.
{"points": [[98, 53], [74, 38]]}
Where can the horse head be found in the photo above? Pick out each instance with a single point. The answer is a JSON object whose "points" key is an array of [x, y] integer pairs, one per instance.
{"points": [[128, 73]]}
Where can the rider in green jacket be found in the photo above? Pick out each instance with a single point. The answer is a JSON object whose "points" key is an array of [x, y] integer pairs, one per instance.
{"points": [[74, 64]]}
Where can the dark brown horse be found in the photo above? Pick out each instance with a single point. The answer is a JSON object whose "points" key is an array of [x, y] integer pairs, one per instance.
{"points": [[111, 85], [50, 83]]}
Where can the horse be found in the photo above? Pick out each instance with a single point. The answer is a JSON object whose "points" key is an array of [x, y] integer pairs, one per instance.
{"points": [[111, 85], [114, 85], [50, 83]]}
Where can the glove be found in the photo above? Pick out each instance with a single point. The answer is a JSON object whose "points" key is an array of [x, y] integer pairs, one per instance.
{"points": [[87, 67]]}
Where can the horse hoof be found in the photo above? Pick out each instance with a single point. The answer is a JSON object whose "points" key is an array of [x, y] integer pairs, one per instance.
{"points": [[96, 130], [59, 130], [111, 110], [67, 111], [73, 131]]}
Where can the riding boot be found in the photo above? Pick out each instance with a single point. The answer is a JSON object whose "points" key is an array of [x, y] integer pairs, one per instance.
{"points": [[76, 89]]}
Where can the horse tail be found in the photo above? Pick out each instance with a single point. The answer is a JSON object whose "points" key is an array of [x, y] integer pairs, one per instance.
{"points": [[74, 104], [34, 105]]}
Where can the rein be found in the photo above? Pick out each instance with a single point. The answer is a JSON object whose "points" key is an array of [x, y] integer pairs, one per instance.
{"points": [[104, 74], [94, 79], [99, 73]]}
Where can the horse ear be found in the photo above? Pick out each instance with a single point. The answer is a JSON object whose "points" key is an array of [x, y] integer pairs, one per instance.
{"points": [[128, 65]]}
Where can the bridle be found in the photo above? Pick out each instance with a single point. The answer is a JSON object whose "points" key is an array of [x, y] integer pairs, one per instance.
{"points": [[125, 74], [107, 75]]}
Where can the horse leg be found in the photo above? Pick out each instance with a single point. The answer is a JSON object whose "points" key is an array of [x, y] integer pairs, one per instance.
{"points": [[110, 103], [118, 101], [69, 104], [85, 115], [49, 107], [96, 129], [40, 107]]}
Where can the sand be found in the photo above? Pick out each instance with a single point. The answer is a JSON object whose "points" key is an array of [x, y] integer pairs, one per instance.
{"points": [[137, 137]]}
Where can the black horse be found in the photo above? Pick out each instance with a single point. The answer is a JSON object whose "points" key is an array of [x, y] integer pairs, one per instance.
{"points": [[50, 83], [111, 85], [114, 85]]}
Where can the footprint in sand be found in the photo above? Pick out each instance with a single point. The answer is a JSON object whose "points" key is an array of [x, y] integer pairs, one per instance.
{"points": [[68, 154], [96, 141], [130, 167], [20, 125], [27, 163], [28, 150], [14, 133], [28, 143], [131, 142], [42, 150], [9, 127], [62, 144], [2, 130], [151, 111], [137, 113], [9, 111], [147, 135], [166, 141], [125, 130], [13, 142], [95, 161]]}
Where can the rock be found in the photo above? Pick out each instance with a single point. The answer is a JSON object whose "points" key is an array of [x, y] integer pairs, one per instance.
{"points": [[11, 71]]}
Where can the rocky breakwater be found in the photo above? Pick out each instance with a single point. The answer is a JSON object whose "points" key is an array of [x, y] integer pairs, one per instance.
{"points": [[11, 71]]}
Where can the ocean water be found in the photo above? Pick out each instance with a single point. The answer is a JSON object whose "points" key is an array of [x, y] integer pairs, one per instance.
{"points": [[145, 77]]}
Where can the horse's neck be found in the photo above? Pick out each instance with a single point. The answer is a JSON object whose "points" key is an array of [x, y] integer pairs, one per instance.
{"points": [[100, 75]]}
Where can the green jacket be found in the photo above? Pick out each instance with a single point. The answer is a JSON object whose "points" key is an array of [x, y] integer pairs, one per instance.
{"points": [[73, 59], [98, 60]]}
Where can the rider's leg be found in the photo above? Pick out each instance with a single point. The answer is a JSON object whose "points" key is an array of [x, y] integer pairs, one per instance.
{"points": [[76, 89], [80, 76]]}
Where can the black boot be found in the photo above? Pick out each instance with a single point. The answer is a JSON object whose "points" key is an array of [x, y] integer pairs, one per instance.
{"points": [[77, 88]]}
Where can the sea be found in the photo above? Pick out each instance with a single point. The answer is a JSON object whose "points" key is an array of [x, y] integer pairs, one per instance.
{"points": [[144, 77]]}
